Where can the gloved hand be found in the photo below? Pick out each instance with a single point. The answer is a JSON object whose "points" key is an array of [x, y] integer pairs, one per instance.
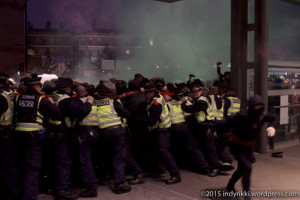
{"points": [[271, 131], [90, 99]]}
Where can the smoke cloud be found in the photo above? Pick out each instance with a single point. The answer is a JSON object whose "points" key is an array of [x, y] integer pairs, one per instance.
{"points": [[176, 39]]}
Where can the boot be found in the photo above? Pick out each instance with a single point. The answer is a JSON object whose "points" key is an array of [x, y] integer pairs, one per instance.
{"points": [[65, 195], [138, 179], [89, 192], [122, 188], [173, 180]]}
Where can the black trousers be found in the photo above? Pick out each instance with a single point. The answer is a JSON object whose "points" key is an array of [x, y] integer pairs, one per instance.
{"points": [[63, 160], [182, 138], [160, 142], [113, 140], [243, 155], [132, 165], [9, 172], [29, 150], [206, 140]]}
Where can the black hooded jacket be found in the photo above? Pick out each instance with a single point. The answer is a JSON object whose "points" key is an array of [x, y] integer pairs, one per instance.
{"points": [[246, 124]]}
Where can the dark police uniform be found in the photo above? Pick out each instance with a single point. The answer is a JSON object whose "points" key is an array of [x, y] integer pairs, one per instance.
{"points": [[183, 138], [245, 125], [112, 135], [159, 123], [86, 129], [31, 112], [203, 130], [62, 140], [9, 172]]}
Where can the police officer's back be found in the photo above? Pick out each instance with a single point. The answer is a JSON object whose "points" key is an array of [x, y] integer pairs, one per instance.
{"points": [[32, 110]]}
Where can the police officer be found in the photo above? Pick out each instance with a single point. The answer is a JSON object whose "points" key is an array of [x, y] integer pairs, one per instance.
{"points": [[32, 110], [84, 110], [62, 138], [8, 169], [245, 126], [217, 111], [182, 135], [159, 123], [232, 106], [111, 133], [202, 130]]}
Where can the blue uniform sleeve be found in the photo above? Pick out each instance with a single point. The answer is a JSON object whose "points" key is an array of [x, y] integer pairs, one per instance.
{"points": [[155, 112], [49, 110], [78, 109], [122, 112], [197, 106]]}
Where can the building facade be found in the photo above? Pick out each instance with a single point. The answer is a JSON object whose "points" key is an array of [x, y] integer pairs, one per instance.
{"points": [[99, 52]]}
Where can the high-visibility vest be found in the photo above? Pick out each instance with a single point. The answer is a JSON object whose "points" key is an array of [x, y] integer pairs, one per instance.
{"points": [[92, 118], [176, 112], [235, 106], [58, 98], [218, 114], [37, 125], [188, 103], [204, 115], [123, 119], [164, 118], [107, 115], [6, 117]]}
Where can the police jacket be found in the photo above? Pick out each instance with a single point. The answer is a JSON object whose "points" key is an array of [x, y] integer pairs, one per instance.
{"points": [[110, 113], [200, 106], [6, 106], [76, 110], [32, 111], [176, 112], [158, 113], [232, 105], [61, 101]]}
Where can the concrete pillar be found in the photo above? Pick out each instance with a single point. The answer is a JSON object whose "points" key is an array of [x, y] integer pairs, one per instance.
{"points": [[261, 52]]}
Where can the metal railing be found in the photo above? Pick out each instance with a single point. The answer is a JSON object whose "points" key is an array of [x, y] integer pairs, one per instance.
{"points": [[271, 139]]}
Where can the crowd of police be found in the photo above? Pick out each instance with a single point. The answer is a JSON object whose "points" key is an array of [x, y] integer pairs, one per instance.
{"points": [[66, 133]]}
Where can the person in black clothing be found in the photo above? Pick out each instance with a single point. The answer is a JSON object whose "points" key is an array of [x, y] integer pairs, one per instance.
{"points": [[32, 111], [245, 126]]}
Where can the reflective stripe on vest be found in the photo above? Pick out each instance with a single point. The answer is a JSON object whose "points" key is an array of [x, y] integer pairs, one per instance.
{"points": [[107, 115], [234, 106], [7, 117], [60, 98], [165, 121], [27, 127], [123, 119], [204, 115], [188, 103], [176, 113], [92, 118], [218, 114]]}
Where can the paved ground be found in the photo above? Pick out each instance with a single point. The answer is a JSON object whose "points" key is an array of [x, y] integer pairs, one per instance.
{"points": [[269, 174]]}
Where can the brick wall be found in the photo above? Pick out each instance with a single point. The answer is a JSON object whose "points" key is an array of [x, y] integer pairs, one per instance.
{"points": [[11, 35]]}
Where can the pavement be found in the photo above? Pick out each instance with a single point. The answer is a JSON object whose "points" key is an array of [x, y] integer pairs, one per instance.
{"points": [[270, 174]]}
